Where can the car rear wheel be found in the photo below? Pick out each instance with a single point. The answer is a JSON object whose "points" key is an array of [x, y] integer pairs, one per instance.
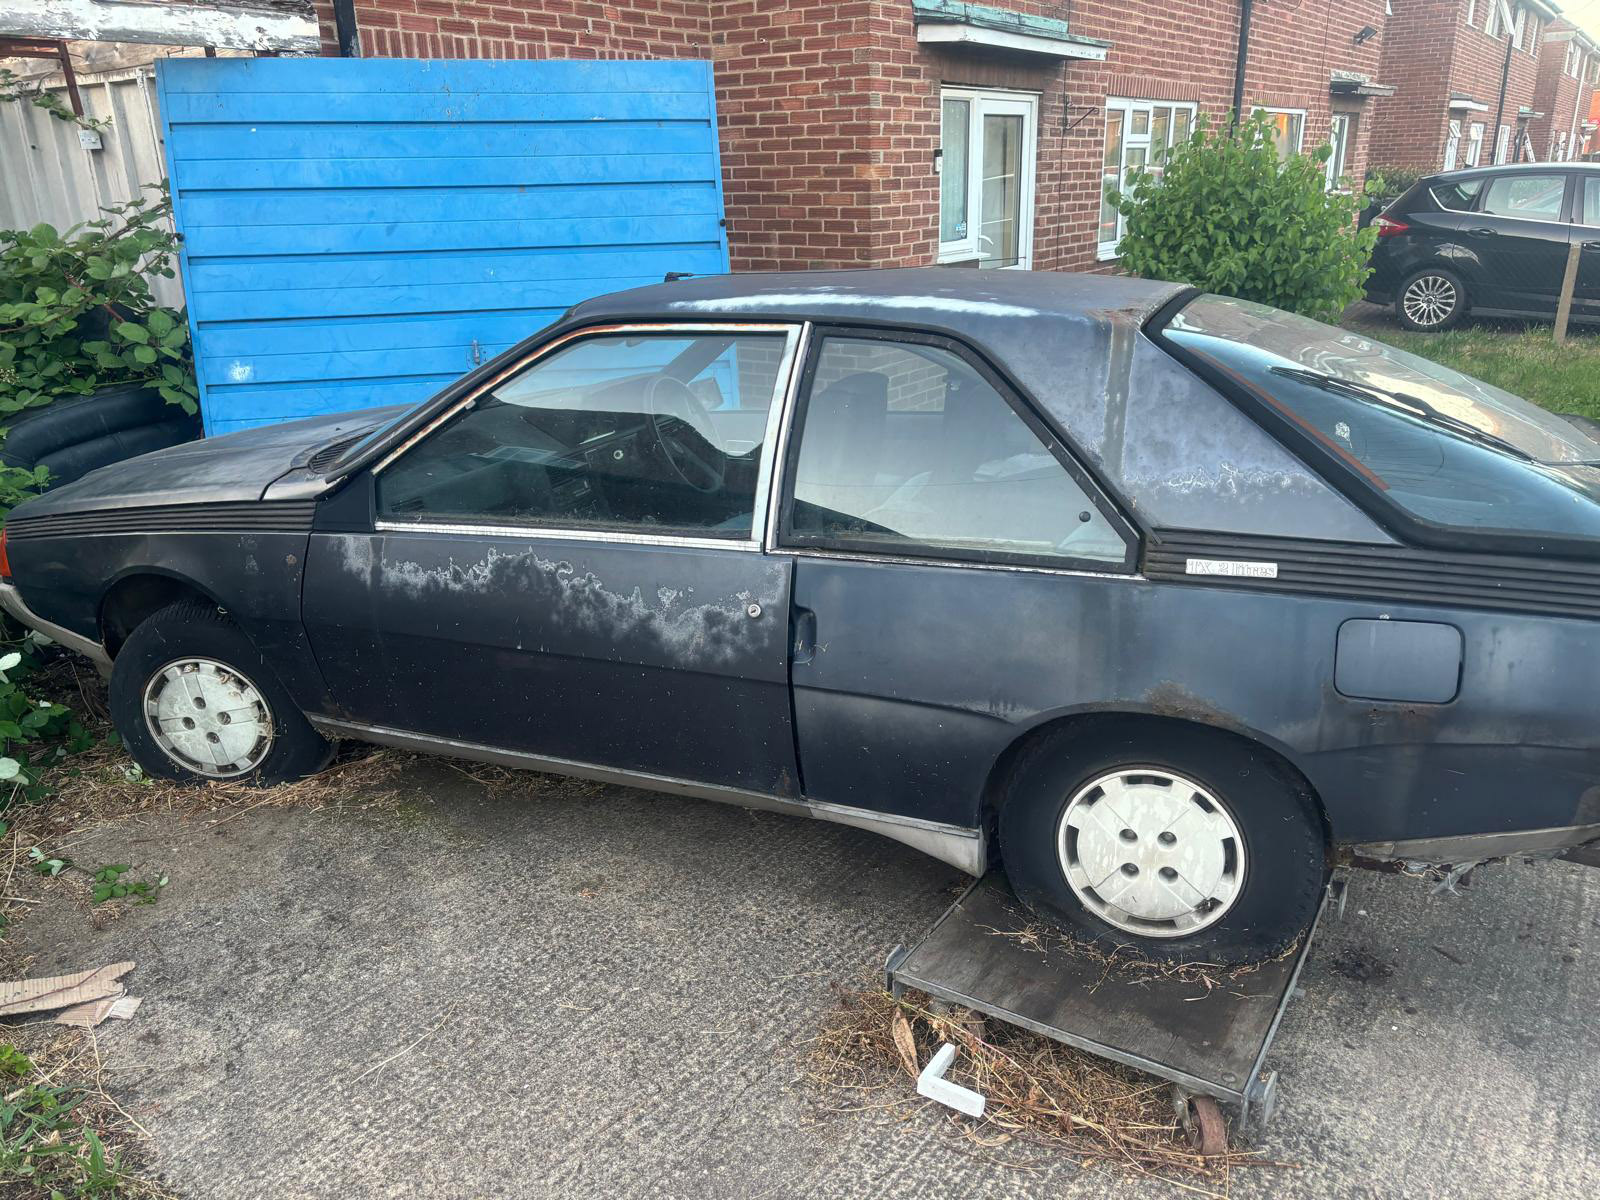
{"points": [[1179, 842], [194, 701], [1431, 299]]}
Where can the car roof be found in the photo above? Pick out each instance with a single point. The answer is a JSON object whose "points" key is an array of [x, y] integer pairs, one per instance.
{"points": [[1543, 168], [997, 309]]}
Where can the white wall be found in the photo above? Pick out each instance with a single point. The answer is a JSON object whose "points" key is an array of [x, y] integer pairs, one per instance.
{"points": [[46, 175]]}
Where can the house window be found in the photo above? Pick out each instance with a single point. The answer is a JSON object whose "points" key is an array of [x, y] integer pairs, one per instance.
{"points": [[1532, 45], [1342, 140], [1452, 146], [1502, 143], [1491, 20], [1574, 57], [1288, 126], [1139, 136], [986, 155], [1475, 144], [1472, 12]]}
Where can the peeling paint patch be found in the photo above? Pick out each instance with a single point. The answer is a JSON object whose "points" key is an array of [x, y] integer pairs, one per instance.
{"points": [[240, 372]]}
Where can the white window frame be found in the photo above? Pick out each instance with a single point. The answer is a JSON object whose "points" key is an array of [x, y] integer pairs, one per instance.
{"points": [[1300, 140], [1472, 13], [1452, 145], [983, 102], [1502, 144], [1475, 144], [1337, 162], [1106, 251]]}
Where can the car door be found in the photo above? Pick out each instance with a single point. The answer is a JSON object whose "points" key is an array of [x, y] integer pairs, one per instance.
{"points": [[569, 564], [952, 562], [1519, 235], [1586, 232]]}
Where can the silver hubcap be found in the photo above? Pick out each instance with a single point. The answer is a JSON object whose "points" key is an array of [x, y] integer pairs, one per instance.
{"points": [[1429, 299], [1151, 852], [208, 718]]}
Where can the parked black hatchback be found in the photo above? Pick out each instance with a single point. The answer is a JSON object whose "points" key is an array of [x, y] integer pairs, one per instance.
{"points": [[1492, 241]]}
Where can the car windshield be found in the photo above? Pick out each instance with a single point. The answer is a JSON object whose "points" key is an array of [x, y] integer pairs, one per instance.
{"points": [[1449, 449]]}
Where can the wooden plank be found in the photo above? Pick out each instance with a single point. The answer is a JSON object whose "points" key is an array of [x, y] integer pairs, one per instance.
{"points": [[230, 26], [321, 365], [1209, 1035], [311, 141], [297, 273], [341, 173], [1569, 282], [407, 76], [447, 108], [380, 333], [242, 208], [408, 237]]}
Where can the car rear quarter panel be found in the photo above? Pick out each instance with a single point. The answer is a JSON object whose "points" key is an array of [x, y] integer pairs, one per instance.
{"points": [[950, 665]]}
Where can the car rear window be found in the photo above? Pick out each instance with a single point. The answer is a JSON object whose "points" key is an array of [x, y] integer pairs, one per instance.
{"points": [[1445, 448]]}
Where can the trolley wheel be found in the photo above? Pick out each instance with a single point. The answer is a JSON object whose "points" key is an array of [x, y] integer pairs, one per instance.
{"points": [[1203, 1123]]}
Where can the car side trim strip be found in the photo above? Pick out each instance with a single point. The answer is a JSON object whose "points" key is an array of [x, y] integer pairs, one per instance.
{"points": [[961, 847], [533, 533]]}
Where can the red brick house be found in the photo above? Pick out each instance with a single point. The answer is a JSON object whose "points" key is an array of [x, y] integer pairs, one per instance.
{"points": [[874, 132], [1569, 61], [1465, 74]]}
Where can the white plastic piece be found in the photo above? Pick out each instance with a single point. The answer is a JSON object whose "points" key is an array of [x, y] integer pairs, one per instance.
{"points": [[932, 1084]]}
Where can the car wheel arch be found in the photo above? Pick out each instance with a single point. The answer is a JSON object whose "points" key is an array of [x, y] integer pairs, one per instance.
{"points": [[1108, 722], [139, 594]]}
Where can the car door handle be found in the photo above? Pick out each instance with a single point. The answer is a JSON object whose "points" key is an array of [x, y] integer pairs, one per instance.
{"points": [[805, 635], [1480, 232], [1591, 245]]}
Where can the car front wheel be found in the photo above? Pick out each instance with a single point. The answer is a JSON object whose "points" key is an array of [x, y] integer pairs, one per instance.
{"points": [[1431, 299], [1179, 842], [194, 701]]}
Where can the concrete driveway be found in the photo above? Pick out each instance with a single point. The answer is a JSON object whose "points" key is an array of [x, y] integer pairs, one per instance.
{"points": [[564, 990]]}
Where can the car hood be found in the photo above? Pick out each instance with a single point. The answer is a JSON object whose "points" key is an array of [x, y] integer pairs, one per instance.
{"points": [[213, 470]]}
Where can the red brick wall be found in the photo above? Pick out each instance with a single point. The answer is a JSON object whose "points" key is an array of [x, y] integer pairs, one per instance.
{"points": [[1432, 53], [829, 109], [526, 28], [1556, 94]]}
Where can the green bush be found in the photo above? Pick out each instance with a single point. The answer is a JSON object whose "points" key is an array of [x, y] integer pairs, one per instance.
{"points": [[1390, 183], [77, 314], [1227, 215]]}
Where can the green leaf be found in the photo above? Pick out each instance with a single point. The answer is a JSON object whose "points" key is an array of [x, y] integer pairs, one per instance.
{"points": [[133, 333], [144, 354], [160, 323], [10, 768]]}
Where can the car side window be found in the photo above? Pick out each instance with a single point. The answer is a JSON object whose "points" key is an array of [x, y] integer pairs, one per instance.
{"points": [[1458, 195], [648, 433], [1590, 213], [1532, 197], [906, 448]]}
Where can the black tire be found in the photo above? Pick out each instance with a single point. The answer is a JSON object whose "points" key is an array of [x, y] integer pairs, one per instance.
{"points": [[1284, 854], [1431, 300], [77, 460], [190, 629], [35, 434]]}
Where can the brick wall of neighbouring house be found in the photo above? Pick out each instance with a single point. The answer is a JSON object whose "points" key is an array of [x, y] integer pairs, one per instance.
{"points": [[1418, 48], [1562, 99], [526, 28], [1479, 61]]}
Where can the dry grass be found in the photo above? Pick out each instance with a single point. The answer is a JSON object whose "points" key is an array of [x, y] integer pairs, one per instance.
{"points": [[65, 1067], [1042, 1096]]}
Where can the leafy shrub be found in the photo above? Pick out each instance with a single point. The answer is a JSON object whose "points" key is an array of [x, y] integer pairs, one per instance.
{"points": [[1390, 183], [1227, 215], [76, 311], [25, 722]]}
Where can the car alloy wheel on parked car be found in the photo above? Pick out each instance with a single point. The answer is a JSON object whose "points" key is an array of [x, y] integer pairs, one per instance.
{"points": [[1431, 299]]}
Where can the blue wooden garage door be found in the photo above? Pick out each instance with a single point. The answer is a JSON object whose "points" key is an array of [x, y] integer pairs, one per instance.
{"points": [[362, 231]]}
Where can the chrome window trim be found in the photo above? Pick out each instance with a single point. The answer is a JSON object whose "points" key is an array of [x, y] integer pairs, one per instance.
{"points": [[783, 386], [963, 847], [791, 398], [965, 564], [534, 533]]}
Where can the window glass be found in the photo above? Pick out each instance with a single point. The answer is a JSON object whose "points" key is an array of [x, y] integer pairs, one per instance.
{"points": [[1140, 135], [1591, 201], [1002, 191], [648, 433], [906, 447], [1475, 144], [1286, 129], [1534, 196], [1341, 130], [1111, 176], [1458, 195], [953, 167], [1441, 445]]}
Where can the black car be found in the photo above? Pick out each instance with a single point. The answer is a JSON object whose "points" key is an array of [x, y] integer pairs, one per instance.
{"points": [[1492, 241], [1164, 601]]}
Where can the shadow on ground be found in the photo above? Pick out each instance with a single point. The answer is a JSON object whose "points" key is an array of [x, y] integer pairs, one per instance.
{"points": [[553, 989]]}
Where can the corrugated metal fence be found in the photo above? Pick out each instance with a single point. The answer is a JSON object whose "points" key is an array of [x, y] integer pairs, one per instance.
{"points": [[47, 176], [362, 231]]}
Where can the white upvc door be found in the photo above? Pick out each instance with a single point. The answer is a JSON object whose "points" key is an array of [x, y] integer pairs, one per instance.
{"points": [[988, 146]]}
